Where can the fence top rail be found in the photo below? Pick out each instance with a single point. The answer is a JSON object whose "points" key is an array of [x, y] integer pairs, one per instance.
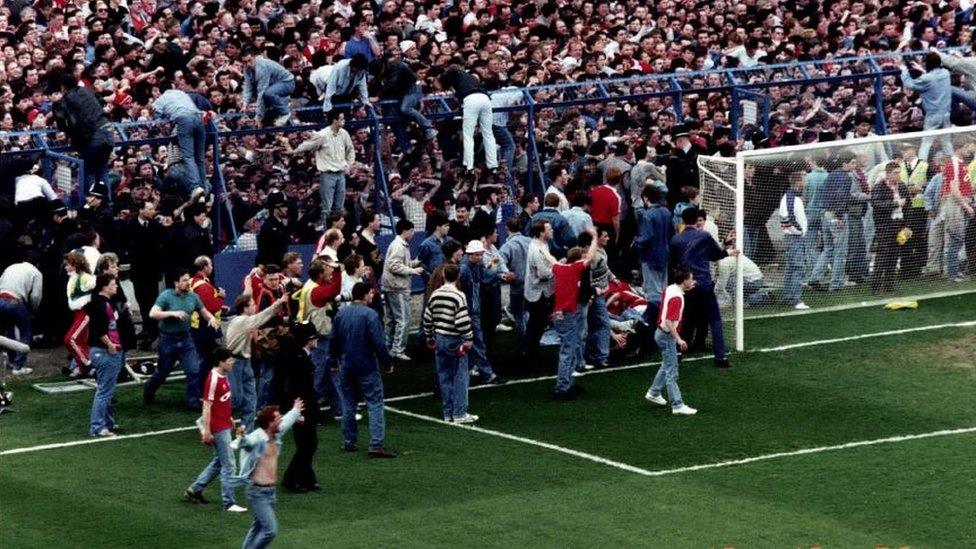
{"points": [[856, 142]]}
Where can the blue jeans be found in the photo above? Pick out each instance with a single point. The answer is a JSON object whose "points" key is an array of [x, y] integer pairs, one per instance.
{"points": [[479, 352], [568, 328], [857, 251], [14, 315], [264, 378], [332, 191], [452, 376], [243, 391], [191, 137], [516, 306], [173, 347], [371, 387], [598, 328], [953, 261], [276, 98], [812, 240], [753, 292], [264, 527], [654, 282], [506, 144], [222, 463], [107, 368], [410, 107], [834, 251], [397, 320], [667, 374], [96, 154], [935, 121], [750, 241], [795, 267]]}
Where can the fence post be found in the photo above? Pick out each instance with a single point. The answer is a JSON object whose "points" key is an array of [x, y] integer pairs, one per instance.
{"points": [[676, 98], [379, 173], [880, 122], [734, 107], [220, 190], [533, 150]]}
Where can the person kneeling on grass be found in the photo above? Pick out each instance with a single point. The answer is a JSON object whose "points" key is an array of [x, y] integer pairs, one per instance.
{"points": [[669, 340], [259, 468], [568, 316], [216, 428]]}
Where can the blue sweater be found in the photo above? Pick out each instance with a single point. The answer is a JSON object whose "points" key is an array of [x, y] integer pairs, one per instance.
{"points": [[430, 254], [563, 236], [357, 340], [837, 193], [654, 233]]}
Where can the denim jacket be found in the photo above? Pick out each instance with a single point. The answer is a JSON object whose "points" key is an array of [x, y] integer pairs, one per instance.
{"points": [[254, 444]]}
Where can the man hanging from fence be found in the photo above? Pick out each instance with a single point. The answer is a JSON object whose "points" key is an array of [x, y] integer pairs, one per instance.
{"points": [[268, 87], [191, 135], [81, 116], [934, 87]]}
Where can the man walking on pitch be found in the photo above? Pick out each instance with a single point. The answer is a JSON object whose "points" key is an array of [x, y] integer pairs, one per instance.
{"points": [[668, 339], [259, 468], [216, 429], [447, 327]]}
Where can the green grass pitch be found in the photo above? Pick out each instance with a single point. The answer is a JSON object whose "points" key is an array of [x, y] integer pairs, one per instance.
{"points": [[453, 487]]}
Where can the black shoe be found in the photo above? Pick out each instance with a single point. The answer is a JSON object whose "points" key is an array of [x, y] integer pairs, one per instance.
{"points": [[722, 363], [195, 497], [817, 286], [294, 488], [349, 448], [196, 408], [381, 453], [576, 389], [148, 396], [311, 487], [570, 394]]}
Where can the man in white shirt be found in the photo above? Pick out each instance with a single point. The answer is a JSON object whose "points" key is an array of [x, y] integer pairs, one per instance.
{"points": [[334, 156]]}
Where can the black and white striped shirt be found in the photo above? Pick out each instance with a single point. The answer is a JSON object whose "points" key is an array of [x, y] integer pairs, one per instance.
{"points": [[447, 314]]}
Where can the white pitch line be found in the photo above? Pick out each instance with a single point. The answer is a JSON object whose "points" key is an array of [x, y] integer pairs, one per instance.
{"points": [[530, 380], [691, 468], [93, 440], [529, 441]]}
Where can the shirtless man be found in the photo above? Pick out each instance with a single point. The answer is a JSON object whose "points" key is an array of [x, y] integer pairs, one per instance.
{"points": [[259, 468]]}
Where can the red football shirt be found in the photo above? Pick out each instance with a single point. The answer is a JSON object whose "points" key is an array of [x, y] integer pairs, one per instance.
{"points": [[217, 390], [566, 280], [605, 204], [672, 305]]}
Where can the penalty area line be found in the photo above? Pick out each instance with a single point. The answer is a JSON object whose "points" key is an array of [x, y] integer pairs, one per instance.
{"points": [[691, 468]]}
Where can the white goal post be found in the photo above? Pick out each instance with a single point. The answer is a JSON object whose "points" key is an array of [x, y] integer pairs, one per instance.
{"points": [[871, 222]]}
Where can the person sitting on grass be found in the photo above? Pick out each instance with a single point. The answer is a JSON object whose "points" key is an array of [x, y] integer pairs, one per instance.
{"points": [[216, 428], [668, 338]]}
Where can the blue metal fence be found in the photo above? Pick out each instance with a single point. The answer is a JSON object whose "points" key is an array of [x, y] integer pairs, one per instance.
{"points": [[744, 83]]}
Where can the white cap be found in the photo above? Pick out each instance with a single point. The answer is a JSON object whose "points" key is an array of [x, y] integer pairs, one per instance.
{"points": [[406, 45], [475, 247]]}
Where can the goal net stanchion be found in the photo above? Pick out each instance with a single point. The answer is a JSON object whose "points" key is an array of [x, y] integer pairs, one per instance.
{"points": [[860, 234]]}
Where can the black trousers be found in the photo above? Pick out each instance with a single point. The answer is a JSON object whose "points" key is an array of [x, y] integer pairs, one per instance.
{"points": [[146, 288], [886, 261], [539, 312], [300, 472], [914, 253]]}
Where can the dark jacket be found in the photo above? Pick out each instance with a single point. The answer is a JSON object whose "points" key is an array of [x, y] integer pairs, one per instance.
{"points": [[654, 233], [145, 248], [883, 204], [682, 170], [99, 321], [273, 241], [190, 242], [695, 249], [79, 114], [358, 344], [398, 81], [462, 82]]}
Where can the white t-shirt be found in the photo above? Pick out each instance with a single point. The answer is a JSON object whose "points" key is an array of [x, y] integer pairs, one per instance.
{"points": [[29, 187]]}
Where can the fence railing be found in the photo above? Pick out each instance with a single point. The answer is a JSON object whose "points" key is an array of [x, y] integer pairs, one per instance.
{"points": [[742, 83]]}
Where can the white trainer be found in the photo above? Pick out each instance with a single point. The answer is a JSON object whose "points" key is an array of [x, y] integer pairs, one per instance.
{"points": [[801, 306], [684, 410], [23, 371], [656, 399], [236, 509], [466, 418], [106, 433]]}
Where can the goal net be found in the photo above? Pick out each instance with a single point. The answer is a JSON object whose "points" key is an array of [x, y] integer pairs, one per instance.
{"points": [[831, 226]]}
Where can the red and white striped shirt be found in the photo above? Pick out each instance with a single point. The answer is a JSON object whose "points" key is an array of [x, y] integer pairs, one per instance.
{"points": [[217, 392], [672, 305]]}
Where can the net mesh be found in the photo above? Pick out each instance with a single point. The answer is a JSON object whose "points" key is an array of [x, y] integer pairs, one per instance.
{"points": [[858, 234]]}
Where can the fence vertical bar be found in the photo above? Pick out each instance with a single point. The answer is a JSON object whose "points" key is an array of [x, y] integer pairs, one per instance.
{"points": [[676, 98], [533, 151], [734, 108], [220, 190], [379, 173], [880, 122]]}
